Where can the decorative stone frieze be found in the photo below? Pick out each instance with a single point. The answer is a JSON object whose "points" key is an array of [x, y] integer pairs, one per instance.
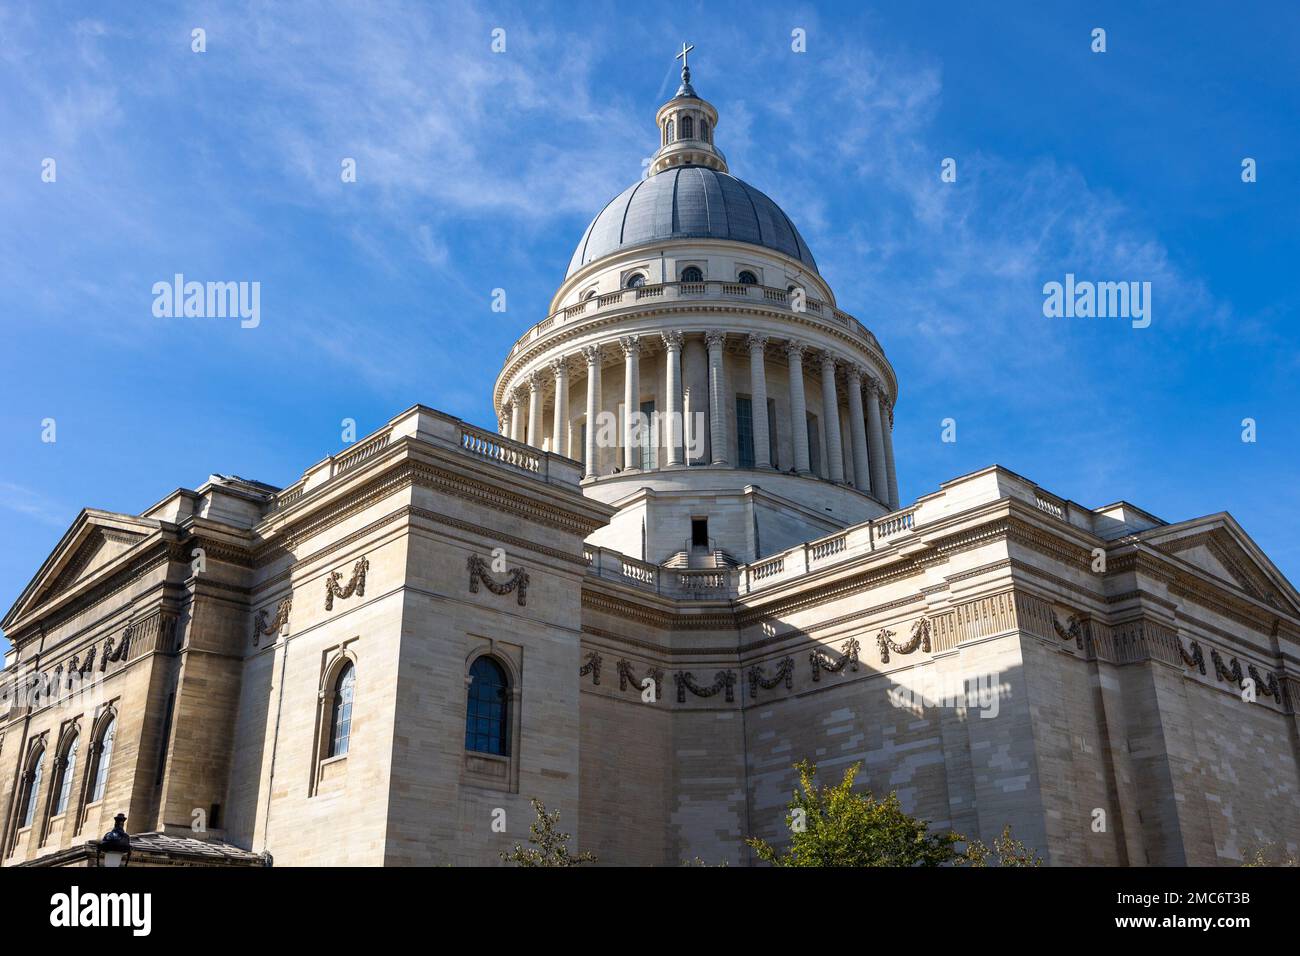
{"points": [[356, 584], [517, 581]]}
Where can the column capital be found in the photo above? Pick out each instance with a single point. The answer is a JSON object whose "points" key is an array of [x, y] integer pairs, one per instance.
{"points": [[795, 350], [852, 370], [672, 339], [518, 395], [715, 338], [592, 354], [560, 367], [631, 345], [536, 379], [757, 341], [827, 359], [874, 387]]}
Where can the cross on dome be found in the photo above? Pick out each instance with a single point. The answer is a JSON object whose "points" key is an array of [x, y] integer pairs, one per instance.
{"points": [[685, 89]]}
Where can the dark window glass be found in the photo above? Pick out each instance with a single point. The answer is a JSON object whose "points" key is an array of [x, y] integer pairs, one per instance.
{"points": [[747, 278], [102, 759], [771, 431], [814, 446], [704, 131], [486, 715], [635, 281], [745, 431], [688, 127], [646, 437], [341, 720], [33, 788], [692, 274], [671, 128], [66, 773], [699, 532]]}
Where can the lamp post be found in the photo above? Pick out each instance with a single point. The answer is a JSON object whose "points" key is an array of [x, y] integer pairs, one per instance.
{"points": [[115, 848]]}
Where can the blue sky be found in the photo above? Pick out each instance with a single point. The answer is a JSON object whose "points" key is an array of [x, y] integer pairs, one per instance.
{"points": [[479, 170]]}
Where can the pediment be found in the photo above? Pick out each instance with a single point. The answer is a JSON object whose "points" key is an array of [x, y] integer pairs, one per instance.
{"points": [[95, 540], [1220, 548]]}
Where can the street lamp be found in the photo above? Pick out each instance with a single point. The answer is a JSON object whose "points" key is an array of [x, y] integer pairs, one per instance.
{"points": [[115, 848]]}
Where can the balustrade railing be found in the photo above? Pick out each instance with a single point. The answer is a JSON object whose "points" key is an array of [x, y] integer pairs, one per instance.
{"points": [[496, 448], [689, 290]]}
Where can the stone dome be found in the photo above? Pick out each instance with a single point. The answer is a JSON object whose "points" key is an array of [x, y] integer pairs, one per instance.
{"points": [[690, 202]]}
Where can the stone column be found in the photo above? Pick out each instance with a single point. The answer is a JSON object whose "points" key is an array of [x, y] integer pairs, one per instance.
{"points": [[517, 415], [535, 410], [716, 341], [560, 421], [879, 482], [695, 379], [758, 400], [592, 354], [858, 428], [673, 401], [798, 408], [631, 400], [831, 412], [503, 422], [888, 428]]}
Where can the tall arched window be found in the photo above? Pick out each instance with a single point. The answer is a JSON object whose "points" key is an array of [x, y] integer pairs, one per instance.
{"points": [[485, 716], [688, 127], [67, 770], [102, 756], [747, 278], [692, 274], [669, 137], [341, 720], [635, 281], [704, 131], [35, 771]]}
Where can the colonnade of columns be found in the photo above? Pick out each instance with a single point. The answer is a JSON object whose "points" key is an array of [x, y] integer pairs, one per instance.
{"points": [[871, 447]]}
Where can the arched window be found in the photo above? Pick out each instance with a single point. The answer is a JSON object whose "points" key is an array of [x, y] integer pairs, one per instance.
{"points": [[635, 281], [692, 274], [591, 294], [688, 127], [67, 770], [485, 716], [102, 756], [668, 137], [35, 771], [341, 721], [704, 131], [747, 278]]}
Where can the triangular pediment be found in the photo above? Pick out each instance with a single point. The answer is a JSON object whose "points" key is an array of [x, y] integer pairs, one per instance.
{"points": [[1218, 546], [96, 540]]}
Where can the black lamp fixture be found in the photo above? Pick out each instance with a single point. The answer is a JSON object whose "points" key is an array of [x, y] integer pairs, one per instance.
{"points": [[115, 848]]}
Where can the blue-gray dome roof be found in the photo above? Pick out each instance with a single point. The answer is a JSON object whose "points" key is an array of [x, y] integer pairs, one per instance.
{"points": [[690, 202]]}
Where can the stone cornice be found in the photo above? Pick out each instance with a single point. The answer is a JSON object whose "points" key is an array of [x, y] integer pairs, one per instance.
{"points": [[690, 310]]}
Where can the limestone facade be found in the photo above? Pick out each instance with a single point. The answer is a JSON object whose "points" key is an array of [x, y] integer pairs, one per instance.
{"points": [[382, 663]]}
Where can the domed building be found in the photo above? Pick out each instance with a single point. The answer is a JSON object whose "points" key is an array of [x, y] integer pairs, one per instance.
{"points": [[696, 363], [678, 567]]}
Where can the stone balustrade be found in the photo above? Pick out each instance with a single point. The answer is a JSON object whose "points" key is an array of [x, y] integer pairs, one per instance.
{"points": [[675, 291]]}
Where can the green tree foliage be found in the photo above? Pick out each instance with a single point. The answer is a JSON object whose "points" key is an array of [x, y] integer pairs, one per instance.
{"points": [[834, 826], [549, 847]]}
